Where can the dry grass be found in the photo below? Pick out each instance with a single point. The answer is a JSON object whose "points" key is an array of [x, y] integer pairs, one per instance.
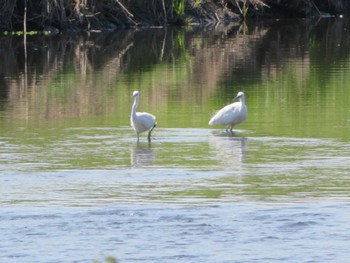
{"points": [[110, 14], [87, 14]]}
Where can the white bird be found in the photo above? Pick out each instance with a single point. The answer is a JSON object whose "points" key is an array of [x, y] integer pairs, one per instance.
{"points": [[231, 114], [141, 121]]}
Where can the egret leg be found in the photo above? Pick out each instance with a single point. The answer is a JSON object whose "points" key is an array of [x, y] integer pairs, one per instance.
{"points": [[149, 133]]}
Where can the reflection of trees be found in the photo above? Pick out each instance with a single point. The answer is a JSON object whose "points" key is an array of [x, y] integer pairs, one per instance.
{"points": [[80, 75], [61, 74], [223, 55]]}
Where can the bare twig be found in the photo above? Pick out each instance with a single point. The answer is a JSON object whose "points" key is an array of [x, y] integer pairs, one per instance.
{"points": [[129, 15], [315, 6], [25, 18], [165, 15]]}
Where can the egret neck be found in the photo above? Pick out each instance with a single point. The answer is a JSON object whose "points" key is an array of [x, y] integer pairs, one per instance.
{"points": [[134, 106]]}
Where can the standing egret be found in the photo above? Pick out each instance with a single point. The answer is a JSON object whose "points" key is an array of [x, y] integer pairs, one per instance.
{"points": [[231, 114], [141, 121]]}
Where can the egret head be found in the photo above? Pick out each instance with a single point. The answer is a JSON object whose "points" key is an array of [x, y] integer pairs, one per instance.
{"points": [[135, 94], [239, 95]]}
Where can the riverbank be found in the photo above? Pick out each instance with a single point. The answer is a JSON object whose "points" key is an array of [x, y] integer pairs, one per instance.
{"points": [[109, 15]]}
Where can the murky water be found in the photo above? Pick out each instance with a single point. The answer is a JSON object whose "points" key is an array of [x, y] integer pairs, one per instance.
{"points": [[77, 187]]}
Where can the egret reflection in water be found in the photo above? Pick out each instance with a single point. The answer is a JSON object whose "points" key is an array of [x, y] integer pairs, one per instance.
{"points": [[142, 154], [230, 151]]}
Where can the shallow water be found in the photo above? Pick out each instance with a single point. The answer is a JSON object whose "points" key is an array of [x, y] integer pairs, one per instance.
{"points": [[191, 195], [228, 232], [76, 186]]}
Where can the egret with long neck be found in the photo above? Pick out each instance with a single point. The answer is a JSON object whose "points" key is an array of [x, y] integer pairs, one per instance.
{"points": [[232, 114], [141, 121]]}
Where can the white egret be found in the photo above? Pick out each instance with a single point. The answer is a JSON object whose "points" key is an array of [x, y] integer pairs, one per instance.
{"points": [[232, 114], [141, 121]]}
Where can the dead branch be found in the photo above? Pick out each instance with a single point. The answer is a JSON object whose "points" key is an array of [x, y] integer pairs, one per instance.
{"points": [[126, 11]]}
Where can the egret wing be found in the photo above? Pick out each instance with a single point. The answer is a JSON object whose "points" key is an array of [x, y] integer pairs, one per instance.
{"points": [[146, 120], [224, 116]]}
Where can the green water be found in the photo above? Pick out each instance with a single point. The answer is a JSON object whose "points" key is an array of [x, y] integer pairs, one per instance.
{"points": [[68, 151]]}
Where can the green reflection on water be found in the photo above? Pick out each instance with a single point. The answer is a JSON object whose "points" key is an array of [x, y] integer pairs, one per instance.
{"points": [[72, 111], [300, 106], [296, 95]]}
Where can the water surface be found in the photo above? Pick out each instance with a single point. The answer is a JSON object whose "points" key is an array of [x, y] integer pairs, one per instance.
{"points": [[76, 186]]}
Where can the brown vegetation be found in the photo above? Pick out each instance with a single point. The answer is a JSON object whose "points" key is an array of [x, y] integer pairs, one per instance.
{"points": [[63, 15]]}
